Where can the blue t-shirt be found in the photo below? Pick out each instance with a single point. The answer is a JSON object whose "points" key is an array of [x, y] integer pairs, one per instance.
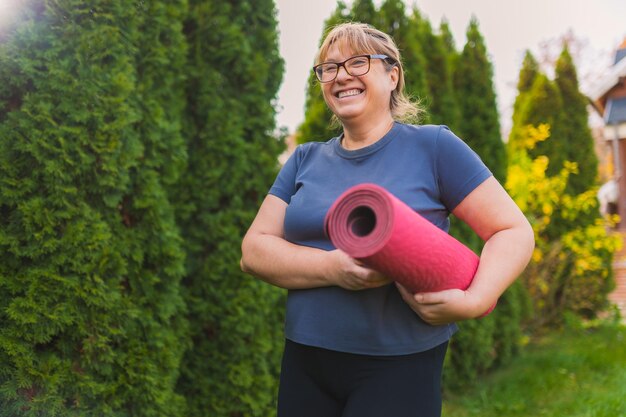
{"points": [[427, 167]]}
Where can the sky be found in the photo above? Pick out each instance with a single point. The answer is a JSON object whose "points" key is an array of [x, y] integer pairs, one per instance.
{"points": [[510, 27]]}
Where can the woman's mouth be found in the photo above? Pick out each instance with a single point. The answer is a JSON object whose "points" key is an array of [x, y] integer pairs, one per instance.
{"points": [[349, 93]]}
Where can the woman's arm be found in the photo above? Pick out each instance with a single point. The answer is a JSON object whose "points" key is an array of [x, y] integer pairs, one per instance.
{"points": [[267, 255], [509, 243]]}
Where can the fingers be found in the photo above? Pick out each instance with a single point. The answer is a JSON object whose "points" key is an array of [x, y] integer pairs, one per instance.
{"points": [[370, 278], [440, 297], [437, 308], [352, 274]]}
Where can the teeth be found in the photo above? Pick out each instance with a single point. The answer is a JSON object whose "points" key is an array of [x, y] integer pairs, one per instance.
{"points": [[348, 93]]}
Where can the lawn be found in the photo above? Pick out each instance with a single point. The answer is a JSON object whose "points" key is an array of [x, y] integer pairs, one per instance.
{"points": [[573, 373]]}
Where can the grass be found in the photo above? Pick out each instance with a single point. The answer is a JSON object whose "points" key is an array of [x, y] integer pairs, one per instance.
{"points": [[573, 373]]}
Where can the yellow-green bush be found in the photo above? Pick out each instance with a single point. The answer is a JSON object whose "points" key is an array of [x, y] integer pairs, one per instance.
{"points": [[570, 272]]}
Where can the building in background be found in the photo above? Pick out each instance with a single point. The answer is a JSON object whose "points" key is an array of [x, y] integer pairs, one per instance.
{"points": [[609, 100]]}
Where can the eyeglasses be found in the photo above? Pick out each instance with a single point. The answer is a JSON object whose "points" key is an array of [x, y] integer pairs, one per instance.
{"points": [[356, 66]]}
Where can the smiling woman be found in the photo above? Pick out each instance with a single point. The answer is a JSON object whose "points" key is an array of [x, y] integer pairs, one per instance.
{"points": [[354, 50], [344, 319]]}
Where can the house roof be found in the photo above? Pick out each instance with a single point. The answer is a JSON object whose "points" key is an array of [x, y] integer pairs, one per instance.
{"points": [[621, 53], [616, 72], [615, 111]]}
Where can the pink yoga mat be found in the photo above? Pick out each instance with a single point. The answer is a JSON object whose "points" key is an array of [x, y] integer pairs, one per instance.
{"points": [[371, 225]]}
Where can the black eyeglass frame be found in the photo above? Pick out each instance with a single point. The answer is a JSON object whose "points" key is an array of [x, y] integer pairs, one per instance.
{"points": [[342, 64]]}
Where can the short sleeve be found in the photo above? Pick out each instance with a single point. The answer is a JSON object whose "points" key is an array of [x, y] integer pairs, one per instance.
{"points": [[285, 183], [459, 169]]}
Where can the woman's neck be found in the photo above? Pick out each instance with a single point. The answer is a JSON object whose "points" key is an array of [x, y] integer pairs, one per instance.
{"points": [[360, 135]]}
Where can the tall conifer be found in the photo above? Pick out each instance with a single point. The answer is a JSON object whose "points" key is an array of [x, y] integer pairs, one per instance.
{"points": [[481, 343], [392, 19], [447, 38], [234, 71], [92, 259], [317, 116], [442, 105], [414, 64], [574, 127], [543, 104], [528, 74], [363, 11], [473, 81]]}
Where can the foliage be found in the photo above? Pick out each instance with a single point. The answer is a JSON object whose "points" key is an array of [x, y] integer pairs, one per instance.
{"points": [[90, 304], [441, 102], [473, 83], [234, 71], [317, 124], [135, 146], [479, 343], [569, 272], [575, 129]]}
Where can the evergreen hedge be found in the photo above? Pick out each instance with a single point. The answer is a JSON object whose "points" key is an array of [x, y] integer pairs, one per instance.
{"points": [[90, 302], [136, 142], [233, 74]]}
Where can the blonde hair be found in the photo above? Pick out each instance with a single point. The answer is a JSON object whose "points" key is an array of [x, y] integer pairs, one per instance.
{"points": [[362, 38]]}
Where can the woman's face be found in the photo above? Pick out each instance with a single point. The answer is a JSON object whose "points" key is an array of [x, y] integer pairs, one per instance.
{"points": [[362, 98]]}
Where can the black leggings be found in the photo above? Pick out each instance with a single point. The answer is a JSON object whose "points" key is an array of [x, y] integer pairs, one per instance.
{"points": [[317, 382]]}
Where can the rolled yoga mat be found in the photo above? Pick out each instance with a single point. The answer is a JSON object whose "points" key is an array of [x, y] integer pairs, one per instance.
{"points": [[371, 225]]}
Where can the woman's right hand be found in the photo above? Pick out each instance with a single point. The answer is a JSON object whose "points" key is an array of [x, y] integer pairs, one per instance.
{"points": [[351, 274], [267, 255]]}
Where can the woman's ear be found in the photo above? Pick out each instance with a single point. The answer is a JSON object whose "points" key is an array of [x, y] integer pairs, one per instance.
{"points": [[394, 76]]}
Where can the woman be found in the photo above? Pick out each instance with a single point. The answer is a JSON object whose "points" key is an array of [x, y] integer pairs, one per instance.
{"points": [[359, 345]]}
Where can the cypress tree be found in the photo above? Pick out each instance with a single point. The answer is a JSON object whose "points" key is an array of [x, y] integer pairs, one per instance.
{"points": [[493, 340], [448, 40], [317, 116], [528, 73], [414, 65], [363, 11], [442, 105], [234, 71], [477, 102], [527, 76], [543, 104], [392, 20], [574, 127], [479, 127], [92, 259]]}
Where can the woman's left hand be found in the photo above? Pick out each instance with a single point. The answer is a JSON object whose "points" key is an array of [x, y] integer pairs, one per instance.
{"points": [[443, 307]]}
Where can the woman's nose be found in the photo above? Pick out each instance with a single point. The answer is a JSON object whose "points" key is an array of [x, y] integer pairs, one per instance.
{"points": [[341, 75]]}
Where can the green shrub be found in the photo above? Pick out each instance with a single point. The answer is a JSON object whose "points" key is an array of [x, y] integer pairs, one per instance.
{"points": [[92, 260]]}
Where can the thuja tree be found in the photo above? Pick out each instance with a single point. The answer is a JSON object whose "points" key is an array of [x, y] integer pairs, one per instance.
{"points": [[573, 272], [473, 82], [363, 11], [442, 106], [528, 74], [574, 128], [90, 307], [479, 125], [233, 74], [317, 124], [482, 344]]}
